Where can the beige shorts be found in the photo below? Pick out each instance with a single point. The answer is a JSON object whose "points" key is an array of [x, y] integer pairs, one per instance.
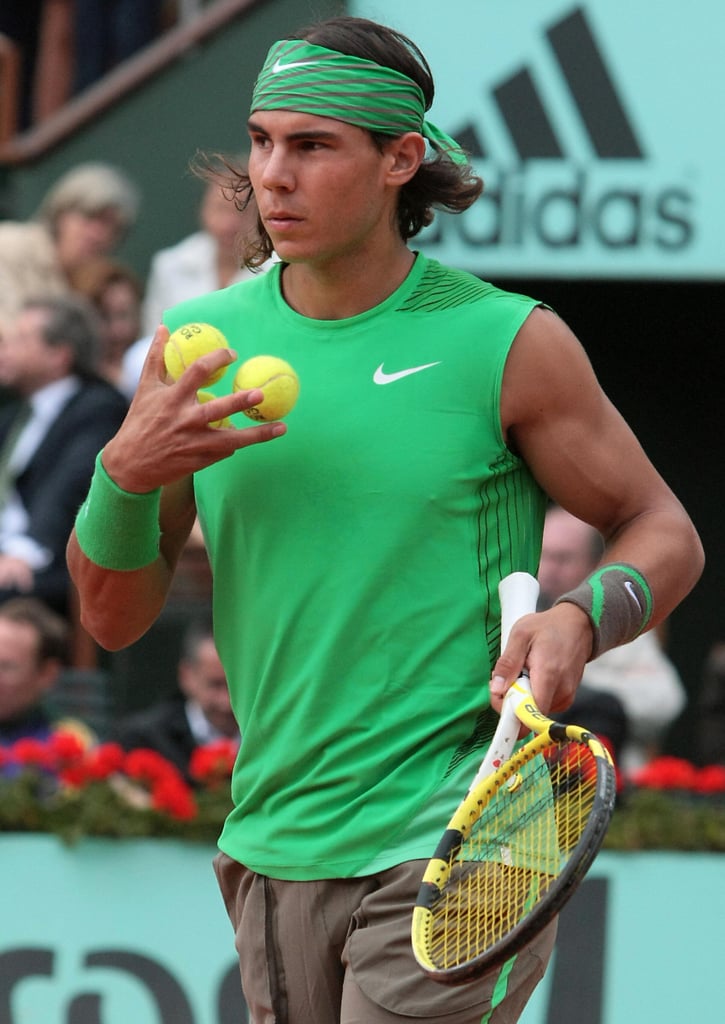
{"points": [[337, 951]]}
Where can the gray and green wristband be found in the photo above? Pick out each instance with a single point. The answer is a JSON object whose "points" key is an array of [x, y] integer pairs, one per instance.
{"points": [[618, 602]]}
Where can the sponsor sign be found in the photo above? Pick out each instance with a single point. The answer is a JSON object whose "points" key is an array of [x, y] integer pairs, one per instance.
{"points": [[594, 129], [134, 932]]}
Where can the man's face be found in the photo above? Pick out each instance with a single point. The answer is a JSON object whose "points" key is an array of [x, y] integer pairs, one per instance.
{"points": [[80, 236], [24, 680], [203, 680], [27, 361], [319, 185], [567, 555], [120, 310]]}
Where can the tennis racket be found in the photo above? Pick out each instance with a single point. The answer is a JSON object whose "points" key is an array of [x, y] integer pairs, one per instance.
{"points": [[523, 837]]}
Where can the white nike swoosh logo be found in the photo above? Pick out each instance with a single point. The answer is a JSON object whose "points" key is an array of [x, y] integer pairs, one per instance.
{"points": [[279, 66], [381, 377], [629, 587]]}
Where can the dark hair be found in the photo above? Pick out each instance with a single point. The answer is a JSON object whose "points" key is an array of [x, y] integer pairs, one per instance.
{"points": [[439, 183], [71, 320], [52, 628]]}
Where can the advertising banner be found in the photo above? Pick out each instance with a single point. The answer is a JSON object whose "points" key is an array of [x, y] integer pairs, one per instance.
{"points": [[120, 931], [596, 127]]}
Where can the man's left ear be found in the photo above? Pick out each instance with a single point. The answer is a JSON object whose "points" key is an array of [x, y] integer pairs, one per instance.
{"points": [[407, 153]]}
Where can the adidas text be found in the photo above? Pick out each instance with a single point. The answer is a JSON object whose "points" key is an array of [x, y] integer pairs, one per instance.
{"points": [[516, 209]]}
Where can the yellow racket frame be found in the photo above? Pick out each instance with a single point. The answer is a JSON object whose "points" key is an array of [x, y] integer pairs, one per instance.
{"points": [[543, 893]]}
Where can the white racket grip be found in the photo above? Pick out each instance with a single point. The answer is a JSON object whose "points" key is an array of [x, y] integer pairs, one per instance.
{"points": [[518, 593], [504, 739]]}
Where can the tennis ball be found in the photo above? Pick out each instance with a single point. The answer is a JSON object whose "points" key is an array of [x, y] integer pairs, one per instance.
{"points": [[187, 343], [207, 396], [278, 381]]}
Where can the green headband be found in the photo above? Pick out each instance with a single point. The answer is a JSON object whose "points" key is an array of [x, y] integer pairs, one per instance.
{"points": [[300, 76]]}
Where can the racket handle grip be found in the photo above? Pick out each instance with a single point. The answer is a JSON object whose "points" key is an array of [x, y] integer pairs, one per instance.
{"points": [[507, 731], [518, 593]]}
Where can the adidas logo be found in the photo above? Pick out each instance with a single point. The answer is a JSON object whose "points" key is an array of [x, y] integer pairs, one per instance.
{"points": [[572, 177], [593, 92]]}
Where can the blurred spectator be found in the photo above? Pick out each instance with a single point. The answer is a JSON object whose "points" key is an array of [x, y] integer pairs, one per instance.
{"points": [[49, 437], [84, 215], [638, 675], [200, 714], [116, 293], [711, 708], [108, 32], [202, 262], [32, 654]]}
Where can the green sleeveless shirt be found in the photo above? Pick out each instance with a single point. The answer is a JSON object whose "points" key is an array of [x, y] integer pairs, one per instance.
{"points": [[356, 561]]}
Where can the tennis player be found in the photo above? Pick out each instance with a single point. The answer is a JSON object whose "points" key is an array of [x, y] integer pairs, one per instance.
{"points": [[357, 548]]}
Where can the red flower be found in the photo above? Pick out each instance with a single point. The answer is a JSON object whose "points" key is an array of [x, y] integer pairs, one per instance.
{"points": [[212, 764], [711, 779], [31, 753], [104, 761], [169, 792], [74, 774], [148, 766], [173, 796], [666, 773], [65, 747], [156, 781]]}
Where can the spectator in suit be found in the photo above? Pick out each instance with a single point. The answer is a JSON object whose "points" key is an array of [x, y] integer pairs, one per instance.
{"points": [[33, 647], [200, 714], [631, 693], [85, 214], [62, 416]]}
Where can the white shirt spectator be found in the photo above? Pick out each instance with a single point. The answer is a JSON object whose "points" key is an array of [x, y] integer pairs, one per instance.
{"points": [[647, 683], [181, 272]]}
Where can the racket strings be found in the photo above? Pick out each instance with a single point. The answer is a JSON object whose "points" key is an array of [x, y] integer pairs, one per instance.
{"points": [[514, 853]]}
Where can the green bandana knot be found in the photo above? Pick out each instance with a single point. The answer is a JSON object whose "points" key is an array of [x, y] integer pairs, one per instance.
{"points": [[301, 76]]}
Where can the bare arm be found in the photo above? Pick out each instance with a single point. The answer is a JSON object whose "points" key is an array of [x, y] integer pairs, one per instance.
{"points": [[586, 458], [164, 439]]}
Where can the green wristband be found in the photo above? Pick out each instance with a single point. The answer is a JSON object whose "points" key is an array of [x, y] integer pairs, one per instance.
{"points": [[117, 529], [618, 601]]}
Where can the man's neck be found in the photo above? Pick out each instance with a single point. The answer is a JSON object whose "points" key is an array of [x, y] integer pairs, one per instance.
{"points": [[345, 288]]}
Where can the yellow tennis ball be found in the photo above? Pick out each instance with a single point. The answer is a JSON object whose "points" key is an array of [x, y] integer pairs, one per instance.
{"points": [[187, 343], [207, 396], [278, 381]]}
